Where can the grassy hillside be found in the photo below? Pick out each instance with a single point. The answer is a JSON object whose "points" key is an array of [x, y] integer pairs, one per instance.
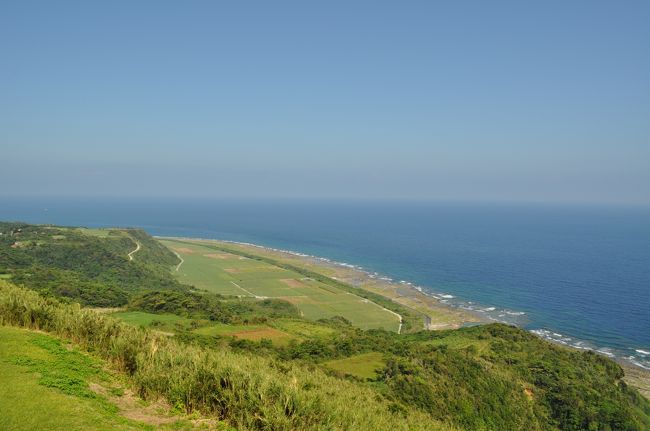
{"points": [[260, 362]]}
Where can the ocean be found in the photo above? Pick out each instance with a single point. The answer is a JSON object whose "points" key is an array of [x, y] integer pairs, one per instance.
{"points": [[579, 275]]}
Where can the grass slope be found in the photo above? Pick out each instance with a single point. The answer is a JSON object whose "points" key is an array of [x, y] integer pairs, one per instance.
{"points": [[44, 386]]}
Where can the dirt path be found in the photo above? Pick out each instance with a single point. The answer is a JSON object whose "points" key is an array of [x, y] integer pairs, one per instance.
{"points": [[131, 407], [137, 248], [182, 261]]}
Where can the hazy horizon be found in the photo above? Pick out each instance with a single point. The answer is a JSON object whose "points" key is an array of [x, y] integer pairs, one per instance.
{"points": [[498, 102]]}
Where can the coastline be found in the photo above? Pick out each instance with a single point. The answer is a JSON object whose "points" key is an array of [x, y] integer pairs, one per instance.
{"points": [[438, 313]]}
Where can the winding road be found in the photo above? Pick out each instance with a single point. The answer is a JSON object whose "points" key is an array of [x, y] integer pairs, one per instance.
{"points": [[137, 248], [182, 261]]}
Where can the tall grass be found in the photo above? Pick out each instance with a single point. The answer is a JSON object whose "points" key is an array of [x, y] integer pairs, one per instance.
{"points": [[249, 392]]}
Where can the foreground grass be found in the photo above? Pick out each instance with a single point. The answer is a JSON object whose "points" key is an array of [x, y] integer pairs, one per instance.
{"points": [[43, 386], [46, 384]]}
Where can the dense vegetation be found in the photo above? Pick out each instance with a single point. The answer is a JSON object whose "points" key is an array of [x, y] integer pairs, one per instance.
{"points": [[490, 377], [83, 266]]}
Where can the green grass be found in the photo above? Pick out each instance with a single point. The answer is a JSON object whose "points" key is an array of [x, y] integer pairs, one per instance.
{"points": [[230, 274], [5, 276], [363, 366], [44, 386], [144, 319]]}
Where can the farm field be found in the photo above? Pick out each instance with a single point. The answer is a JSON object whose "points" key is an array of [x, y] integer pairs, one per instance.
{"points": [[363, 366], [229, 274]]}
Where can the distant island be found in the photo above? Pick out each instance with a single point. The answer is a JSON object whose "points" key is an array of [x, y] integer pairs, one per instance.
{"points": [[116, 329]]}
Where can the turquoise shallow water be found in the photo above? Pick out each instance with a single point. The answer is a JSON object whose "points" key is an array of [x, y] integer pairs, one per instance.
{"points": [[578, 275]]}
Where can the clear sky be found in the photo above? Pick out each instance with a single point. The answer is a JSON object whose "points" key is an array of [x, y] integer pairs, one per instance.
{"points": [[515, 101]]}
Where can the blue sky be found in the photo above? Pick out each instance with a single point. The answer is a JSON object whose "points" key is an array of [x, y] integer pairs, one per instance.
{"points": [[509, 101]]}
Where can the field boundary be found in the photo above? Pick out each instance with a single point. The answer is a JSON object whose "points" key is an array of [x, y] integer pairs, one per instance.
{"points": [[249, 292]]}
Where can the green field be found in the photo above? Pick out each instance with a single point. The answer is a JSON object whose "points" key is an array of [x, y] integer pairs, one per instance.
{"points": [[363, 366], [44, 385], [229, 274]]}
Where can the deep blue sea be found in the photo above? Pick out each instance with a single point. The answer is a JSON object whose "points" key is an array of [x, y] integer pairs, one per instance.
{"points": [[576, 274]]}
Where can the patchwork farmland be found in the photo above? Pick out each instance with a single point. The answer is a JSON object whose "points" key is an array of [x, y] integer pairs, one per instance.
{"points": [[233, 275]]}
